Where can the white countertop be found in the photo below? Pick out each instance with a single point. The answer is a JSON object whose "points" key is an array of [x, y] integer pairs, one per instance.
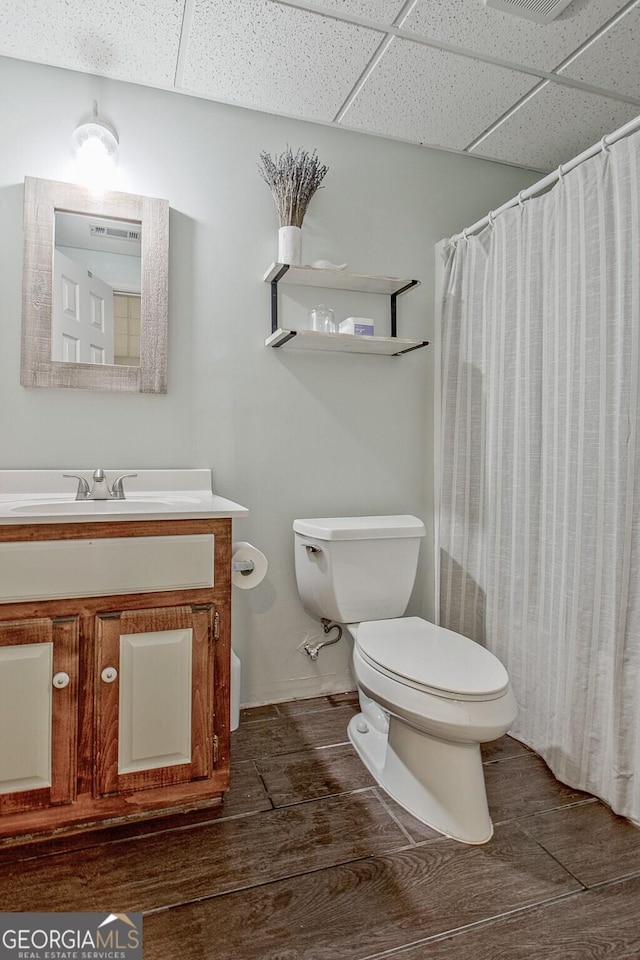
{"points": [[46, 496]]}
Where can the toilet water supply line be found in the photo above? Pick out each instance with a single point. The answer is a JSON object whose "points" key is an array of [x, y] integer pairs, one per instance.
{"points": [[312, 649], [245, 567]]}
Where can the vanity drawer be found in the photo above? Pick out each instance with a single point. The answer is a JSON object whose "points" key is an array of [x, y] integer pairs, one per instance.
{"points": [[59, 569]]}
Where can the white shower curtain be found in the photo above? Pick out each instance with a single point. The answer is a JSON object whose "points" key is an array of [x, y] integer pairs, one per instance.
{"points": [[539, 529]]}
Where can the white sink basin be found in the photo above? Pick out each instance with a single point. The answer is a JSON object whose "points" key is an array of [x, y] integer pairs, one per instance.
{"points": [[130, 505], [48, 496]]}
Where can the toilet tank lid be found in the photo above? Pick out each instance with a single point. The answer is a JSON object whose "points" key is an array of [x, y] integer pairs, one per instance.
{"points": [[360, 528]]}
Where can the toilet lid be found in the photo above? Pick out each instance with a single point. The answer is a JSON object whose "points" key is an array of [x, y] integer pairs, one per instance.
{"points": [[432, 658]]}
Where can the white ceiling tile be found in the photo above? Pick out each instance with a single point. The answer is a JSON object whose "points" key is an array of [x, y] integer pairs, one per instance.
{"points": [[132, 39], [468, 23], [554, 126], [612, 62], [382, 11], [428, 96], [276, 58]]}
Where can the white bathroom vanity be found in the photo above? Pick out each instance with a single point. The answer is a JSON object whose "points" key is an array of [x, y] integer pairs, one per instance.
{"points": [[114, 647]]}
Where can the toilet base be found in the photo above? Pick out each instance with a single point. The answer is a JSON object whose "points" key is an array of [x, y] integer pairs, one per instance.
{"points": [[439, 782]]}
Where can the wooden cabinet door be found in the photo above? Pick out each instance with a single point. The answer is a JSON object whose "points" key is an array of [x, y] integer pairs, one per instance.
{"points": [[154, 698], [38, 713]]}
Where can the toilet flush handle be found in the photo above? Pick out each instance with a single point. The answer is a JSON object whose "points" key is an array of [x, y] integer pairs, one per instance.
{"points": [[312, 548]]}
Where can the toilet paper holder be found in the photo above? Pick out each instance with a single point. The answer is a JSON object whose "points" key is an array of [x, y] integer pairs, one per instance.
{"points": [[248, 565]]}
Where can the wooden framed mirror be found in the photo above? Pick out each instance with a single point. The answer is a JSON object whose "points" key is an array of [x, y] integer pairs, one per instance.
{"points": [[94, 289]]}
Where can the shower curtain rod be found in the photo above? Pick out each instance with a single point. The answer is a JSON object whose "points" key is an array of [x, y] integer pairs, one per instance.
{"points": [[551, 178]]}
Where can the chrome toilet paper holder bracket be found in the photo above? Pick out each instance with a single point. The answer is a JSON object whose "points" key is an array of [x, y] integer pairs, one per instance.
{"points": [[248, 565]]}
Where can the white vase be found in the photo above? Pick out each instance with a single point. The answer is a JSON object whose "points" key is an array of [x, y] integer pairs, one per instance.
{"points": [[290, 245]]}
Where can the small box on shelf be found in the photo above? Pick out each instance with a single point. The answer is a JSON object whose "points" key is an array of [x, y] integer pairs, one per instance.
{"points": [[360, 326]]}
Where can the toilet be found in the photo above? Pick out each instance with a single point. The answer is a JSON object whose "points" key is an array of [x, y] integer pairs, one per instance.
{"points": [[428, 696]]}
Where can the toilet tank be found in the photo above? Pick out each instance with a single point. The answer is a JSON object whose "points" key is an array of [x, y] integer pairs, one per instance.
{"points": [[352, 569]]}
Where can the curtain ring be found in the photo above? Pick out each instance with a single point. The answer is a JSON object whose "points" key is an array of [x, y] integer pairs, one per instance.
{"points": [[492, 218], [465, 235], [521, 198], [604, 146], [560, 175]]}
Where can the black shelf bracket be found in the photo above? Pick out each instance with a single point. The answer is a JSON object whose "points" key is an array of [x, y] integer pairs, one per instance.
{"points": [[394, 296], [274, 296], [416, 346], [285, 339]]}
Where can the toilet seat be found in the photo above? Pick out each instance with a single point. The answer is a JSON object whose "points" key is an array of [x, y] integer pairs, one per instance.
{"points": [[433, 659]]}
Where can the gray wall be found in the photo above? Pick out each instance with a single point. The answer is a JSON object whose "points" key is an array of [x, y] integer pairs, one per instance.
{"points": [[286, 434]]}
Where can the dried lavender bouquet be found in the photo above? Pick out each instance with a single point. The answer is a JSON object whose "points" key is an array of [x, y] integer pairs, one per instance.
{"points": [[293, 179]]}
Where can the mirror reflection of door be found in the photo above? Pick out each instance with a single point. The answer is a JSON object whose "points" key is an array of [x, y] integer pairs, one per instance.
{"points": [[82, 320], [96, 290]]}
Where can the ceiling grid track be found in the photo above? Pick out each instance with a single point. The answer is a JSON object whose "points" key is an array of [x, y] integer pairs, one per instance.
{"points": [[395, 30], [554, 77], [506, 116], [620, 15], [183, 46], [364, 76], [374, 61]]}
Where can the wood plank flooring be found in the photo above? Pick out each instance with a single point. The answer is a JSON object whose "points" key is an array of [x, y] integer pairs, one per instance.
{"points": [[309, 860]]}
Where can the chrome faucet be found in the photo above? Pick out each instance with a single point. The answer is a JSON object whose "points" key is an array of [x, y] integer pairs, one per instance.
{"points": [[100, 489]]}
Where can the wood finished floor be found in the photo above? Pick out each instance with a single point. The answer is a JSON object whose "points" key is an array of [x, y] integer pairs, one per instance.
{"points": [[309, 860]]}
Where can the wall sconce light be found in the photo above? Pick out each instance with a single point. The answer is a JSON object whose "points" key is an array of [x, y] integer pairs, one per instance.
{"points": [[95, 148]]}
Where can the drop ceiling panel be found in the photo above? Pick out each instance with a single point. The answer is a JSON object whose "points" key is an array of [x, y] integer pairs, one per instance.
{"points": [[271, 57], [360, 64], [135, 40], [468, 23], [556, 124], [422, 94], [382, 11], [612, 61]]}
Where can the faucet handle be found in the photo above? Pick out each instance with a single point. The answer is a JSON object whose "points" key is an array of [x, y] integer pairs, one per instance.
{"points": [[82, 492], [117, 489]]}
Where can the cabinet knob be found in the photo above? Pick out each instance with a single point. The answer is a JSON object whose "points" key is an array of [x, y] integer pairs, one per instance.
{"points": [[61, 680], [109, 674]]}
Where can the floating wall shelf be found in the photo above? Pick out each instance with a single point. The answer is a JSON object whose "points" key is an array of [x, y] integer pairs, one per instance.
{"points": [[338, 280]]}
